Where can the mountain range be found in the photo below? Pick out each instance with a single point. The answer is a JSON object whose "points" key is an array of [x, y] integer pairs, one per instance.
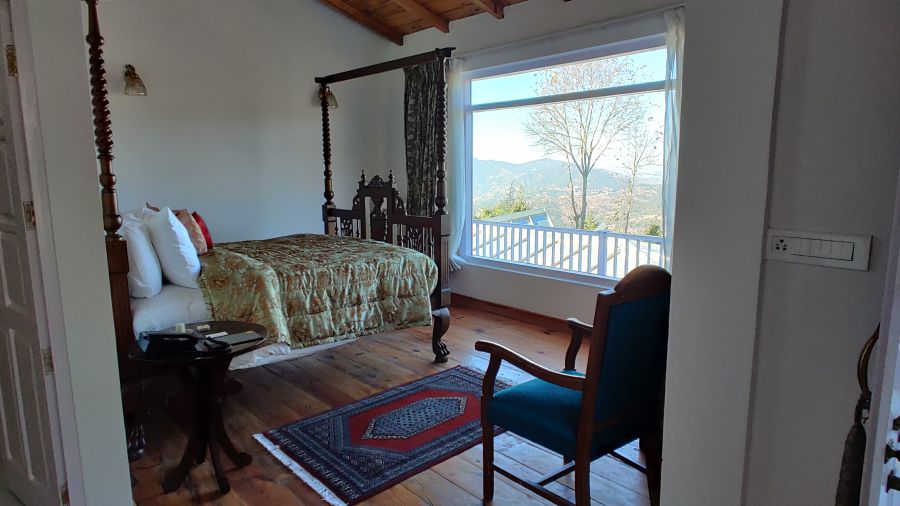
{"points": [[546, 182]]}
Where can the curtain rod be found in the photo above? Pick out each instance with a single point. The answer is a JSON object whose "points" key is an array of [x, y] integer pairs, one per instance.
{"points": [[378, 68], [574, 31]]}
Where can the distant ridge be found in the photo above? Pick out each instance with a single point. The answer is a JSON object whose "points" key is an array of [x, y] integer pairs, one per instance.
{"points": [[542, 175]]}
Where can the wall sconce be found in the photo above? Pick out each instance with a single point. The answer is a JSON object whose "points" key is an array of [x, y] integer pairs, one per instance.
{"points": [[329, 97], [134, 86]]}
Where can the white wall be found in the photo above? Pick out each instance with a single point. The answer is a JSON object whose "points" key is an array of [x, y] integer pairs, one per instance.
{"points": [[232, 126], [836, 163], [730, 61], [71, 172]]}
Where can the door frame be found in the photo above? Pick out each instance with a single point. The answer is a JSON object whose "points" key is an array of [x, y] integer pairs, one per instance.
{"points": [[885, 375], [48, 301]]}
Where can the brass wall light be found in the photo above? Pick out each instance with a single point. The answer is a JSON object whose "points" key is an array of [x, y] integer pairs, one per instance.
{"points": [[329, 97], [134, 86]]}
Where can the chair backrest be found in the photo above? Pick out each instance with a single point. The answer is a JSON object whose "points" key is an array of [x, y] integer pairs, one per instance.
{"points": [[626, 366]]}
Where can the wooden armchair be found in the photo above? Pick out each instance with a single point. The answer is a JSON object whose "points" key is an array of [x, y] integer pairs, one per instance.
{"points": [[586, 416]]}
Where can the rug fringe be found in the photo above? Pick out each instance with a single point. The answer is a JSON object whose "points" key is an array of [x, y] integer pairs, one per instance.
{"points": [[327, 494]]}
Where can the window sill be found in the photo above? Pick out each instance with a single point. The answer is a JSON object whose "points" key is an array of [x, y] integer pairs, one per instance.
{"points": [[541, 272]]}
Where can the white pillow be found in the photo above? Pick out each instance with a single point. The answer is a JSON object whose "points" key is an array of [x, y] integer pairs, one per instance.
{"points": [[176, 253], [144, 271]]}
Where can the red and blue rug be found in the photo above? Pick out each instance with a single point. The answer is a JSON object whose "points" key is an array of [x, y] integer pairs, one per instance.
{"points": [[351, 453]]}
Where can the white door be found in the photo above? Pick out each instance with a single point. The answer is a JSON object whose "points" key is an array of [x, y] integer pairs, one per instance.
{"points": [[885, 384], [28, 442]]}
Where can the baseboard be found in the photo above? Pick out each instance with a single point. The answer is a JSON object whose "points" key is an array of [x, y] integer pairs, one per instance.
{"points": [[549, 322]]}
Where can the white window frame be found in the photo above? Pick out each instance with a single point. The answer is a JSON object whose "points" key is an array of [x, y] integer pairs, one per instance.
{"points": [[617, 48]]}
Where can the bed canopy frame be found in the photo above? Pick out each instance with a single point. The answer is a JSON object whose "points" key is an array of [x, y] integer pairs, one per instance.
{"points": [[429, 235]]}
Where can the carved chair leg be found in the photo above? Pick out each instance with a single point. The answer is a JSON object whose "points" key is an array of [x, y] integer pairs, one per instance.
{"points": [[441, 325], [652, 448], [582, 481], [487, 461]]}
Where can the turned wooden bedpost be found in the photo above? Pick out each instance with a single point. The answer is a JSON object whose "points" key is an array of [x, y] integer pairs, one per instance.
{"points": [[441, 296], [102, 126], [116, 248], [330, 221], [440, 197]]}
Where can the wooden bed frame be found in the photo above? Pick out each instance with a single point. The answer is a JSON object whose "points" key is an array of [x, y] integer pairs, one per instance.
{"points": [[429, 235]]}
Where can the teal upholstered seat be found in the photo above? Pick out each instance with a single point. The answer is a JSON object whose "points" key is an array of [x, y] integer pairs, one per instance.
{"points": [[617, 401], [541, 412], [547, 414]]}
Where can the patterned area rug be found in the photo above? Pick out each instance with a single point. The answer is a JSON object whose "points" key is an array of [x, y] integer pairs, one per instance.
{"points": [[351, 453]]}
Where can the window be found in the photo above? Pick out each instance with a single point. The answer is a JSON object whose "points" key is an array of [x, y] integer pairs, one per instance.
{"points": [[565, 158]]}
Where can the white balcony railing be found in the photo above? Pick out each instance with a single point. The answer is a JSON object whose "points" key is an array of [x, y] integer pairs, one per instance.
{"points": [[596, 252]]}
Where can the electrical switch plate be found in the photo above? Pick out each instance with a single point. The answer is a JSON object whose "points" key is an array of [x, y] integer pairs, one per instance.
{"points": [[843, 251]]}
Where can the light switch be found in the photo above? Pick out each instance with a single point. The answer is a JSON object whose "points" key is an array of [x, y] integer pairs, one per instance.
{"points": [[815, 248], [802, 246], [820, 248], [842, 250]]}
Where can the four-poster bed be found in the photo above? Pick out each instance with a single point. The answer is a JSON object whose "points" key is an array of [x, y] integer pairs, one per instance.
{"points": [[377, 213]]}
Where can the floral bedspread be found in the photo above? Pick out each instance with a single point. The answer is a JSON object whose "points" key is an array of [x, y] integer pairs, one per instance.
{"points": [[316, 289]]}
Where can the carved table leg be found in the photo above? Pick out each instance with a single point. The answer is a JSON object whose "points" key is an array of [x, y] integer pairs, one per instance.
{"points": [[134, 432], [441, 325], [195, 449], [239, 458], [175, 477], [208, 429], [134, 435]]}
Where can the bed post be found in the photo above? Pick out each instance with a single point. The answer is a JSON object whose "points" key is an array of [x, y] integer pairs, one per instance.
{"points": [[442, 220], [116, 248], [330, 221]]}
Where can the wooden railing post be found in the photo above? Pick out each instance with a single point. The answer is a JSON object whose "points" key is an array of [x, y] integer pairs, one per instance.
{"points": [[603, 238]]}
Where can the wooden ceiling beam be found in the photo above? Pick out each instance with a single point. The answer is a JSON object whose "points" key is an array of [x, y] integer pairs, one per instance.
{"points": [[366, 20], [414, 7], [494, 7]]}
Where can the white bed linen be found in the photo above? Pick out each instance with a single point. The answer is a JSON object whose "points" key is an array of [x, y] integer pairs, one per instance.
{"points": [[177, 304], [174, 304]]}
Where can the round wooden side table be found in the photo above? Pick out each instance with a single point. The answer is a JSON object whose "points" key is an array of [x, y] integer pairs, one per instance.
{"points": [[203, 378]]}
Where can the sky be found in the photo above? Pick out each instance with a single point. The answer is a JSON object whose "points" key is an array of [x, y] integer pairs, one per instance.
{"points": [[498, 135]]}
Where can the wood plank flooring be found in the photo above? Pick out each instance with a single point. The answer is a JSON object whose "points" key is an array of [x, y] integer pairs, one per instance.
{"points": [[287, 391]]}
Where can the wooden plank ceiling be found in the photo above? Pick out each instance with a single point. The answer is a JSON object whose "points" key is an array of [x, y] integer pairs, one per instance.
{"points": [[392, 19]]}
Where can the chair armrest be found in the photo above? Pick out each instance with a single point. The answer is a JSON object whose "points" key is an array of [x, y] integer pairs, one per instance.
{"points": [[500, 352], [579, 330]]}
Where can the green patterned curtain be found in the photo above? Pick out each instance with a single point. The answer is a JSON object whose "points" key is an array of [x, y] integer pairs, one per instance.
{"points": [[420, 104]]}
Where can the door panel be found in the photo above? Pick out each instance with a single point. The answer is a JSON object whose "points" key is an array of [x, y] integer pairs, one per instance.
{"points": [[28, 461], [6, 211], [12, 277]]}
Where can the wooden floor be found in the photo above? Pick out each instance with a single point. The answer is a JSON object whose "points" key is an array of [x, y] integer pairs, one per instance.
{"points": [[287, 391]]}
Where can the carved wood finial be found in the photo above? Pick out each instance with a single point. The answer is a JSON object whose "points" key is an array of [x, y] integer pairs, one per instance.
{"points": [[362, 176], [391, 176], [326, 144], [440, 197], [102, 124]]}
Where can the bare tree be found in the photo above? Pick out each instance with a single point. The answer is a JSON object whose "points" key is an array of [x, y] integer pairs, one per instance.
{"points": [[583, 130], [639, 150]]}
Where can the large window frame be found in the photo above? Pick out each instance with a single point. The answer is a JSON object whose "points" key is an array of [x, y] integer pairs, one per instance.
{"points": [[654, 41]]}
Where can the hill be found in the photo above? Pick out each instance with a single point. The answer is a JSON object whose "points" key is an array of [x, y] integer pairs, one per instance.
{"points": [[546, 183]]}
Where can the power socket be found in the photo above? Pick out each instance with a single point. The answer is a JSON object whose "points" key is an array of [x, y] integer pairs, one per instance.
{"points": [[843, 251]]}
